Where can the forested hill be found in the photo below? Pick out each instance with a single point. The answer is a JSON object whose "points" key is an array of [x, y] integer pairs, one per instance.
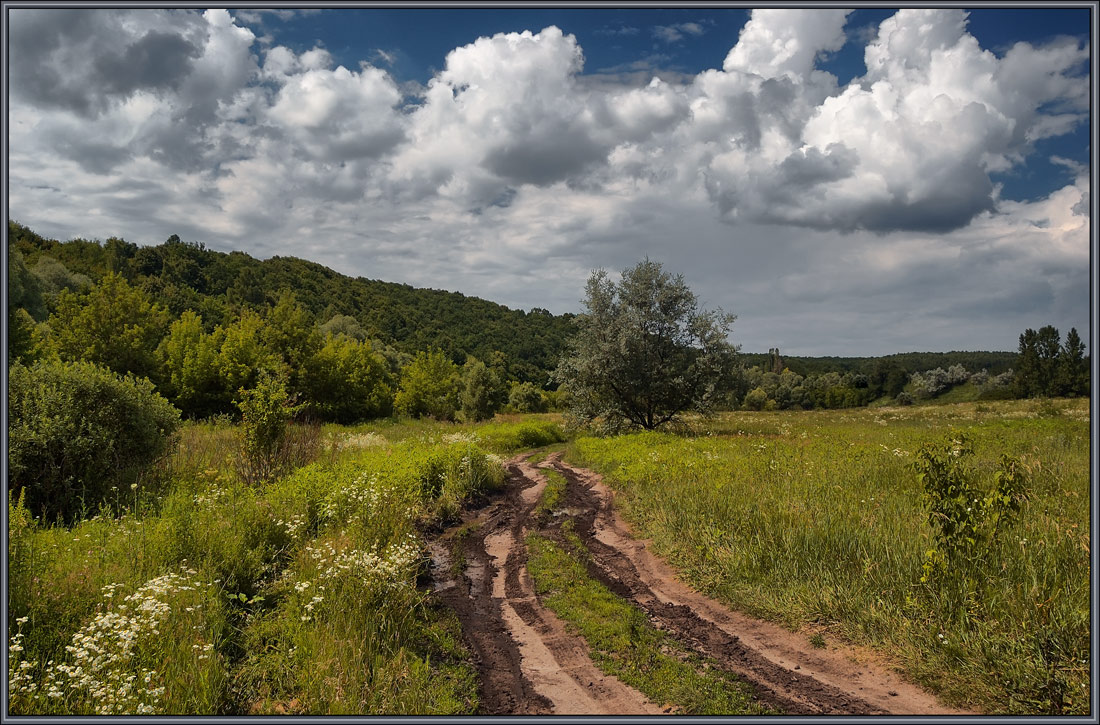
{"points": [[993, 362], [182, 275]]}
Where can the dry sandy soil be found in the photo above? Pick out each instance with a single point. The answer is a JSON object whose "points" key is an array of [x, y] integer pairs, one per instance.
{"points": [[530, 663]]}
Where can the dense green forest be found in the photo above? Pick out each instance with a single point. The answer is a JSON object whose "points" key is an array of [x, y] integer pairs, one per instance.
{"points": [[184, 276]]}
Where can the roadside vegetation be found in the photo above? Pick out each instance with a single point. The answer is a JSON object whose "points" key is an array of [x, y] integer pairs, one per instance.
{"points": [[211, 595], [822, 521]]}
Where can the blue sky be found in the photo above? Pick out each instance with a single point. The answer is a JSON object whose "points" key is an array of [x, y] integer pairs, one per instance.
{"points": [[418, 40], [937, 200]]}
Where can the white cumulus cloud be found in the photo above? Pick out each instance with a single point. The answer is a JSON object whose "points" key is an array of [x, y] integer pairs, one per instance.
{"points": [[785, 197]]}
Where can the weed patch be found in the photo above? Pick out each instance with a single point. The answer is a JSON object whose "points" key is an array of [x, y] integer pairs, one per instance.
{"points": [[298, 591], [551, 494]]}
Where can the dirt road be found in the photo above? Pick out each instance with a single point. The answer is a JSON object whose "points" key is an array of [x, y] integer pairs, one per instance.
{"points": [[529, 663]]}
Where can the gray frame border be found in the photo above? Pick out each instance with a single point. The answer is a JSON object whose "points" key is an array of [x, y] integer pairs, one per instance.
{"points": [[1094, 494]]}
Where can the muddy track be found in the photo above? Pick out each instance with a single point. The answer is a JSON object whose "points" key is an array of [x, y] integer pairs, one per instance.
{"points": [[528, 663]]}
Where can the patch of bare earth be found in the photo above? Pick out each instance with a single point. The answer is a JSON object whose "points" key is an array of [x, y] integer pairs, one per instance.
{"points": [[529, 663]]}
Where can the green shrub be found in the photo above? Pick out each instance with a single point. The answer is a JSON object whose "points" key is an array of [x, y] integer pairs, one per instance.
{"points": [[539, 434], [755, 399], [429, 387], [77, 429], [558, 400], [509, 437], [481, 392], [116, 325], [265, 414], [527, 398], [346, 381], [964, 517], [21, 329], [192, 378], [454, 474]]}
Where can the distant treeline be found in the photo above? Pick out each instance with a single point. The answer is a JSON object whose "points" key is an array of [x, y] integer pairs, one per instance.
{"points": [[1044, 366], [994, 363]]}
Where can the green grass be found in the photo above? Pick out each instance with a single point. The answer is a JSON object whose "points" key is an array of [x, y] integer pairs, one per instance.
{"points": [[551, 494], [247, 632], [816, 519], [965, 393], [504, 434], [625, 645]]}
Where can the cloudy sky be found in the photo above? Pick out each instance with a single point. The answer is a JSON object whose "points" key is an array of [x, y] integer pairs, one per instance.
{"points": [[846, 183]]}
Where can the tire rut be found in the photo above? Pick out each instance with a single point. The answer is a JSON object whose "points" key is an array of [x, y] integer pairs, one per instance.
{"points": [[527, 662], [502, 688], [783, 671]]}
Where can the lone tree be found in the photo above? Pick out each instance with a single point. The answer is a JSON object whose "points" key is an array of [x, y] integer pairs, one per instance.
{"points": [[644, 353]]}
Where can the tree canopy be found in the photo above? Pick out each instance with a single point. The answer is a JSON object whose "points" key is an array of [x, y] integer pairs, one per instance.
{"points": [[644, 353], [219, 286]]}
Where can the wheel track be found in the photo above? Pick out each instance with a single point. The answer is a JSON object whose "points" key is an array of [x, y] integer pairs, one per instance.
{"points": [[778, 663], [529, 663]]}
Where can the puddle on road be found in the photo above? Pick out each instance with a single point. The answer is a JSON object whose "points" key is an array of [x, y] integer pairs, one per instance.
{"points": [[442, 577], [477, 573]]}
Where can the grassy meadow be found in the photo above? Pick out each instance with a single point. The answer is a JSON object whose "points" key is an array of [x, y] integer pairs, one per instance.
{"points": [[198, 593], [816, 520], [195, 592]]}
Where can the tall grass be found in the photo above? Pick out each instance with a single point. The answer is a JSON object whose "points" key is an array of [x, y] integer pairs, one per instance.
{"points": [[818, 518], [505, 434], [294, 595]]}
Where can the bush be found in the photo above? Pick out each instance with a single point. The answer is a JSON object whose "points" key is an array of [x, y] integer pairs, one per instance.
{"points": [[1001, 387], [116, 325], [21, 329], [429, 387], [454, 474], [346, 381], [481, 392], [964, 517], [558, 400], [755, 399], [77, 429], [510, 437], [265, 415], [527, 398]]}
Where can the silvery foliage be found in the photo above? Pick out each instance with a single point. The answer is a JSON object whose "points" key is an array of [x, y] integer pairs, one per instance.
{"points": [[644, 353]]}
